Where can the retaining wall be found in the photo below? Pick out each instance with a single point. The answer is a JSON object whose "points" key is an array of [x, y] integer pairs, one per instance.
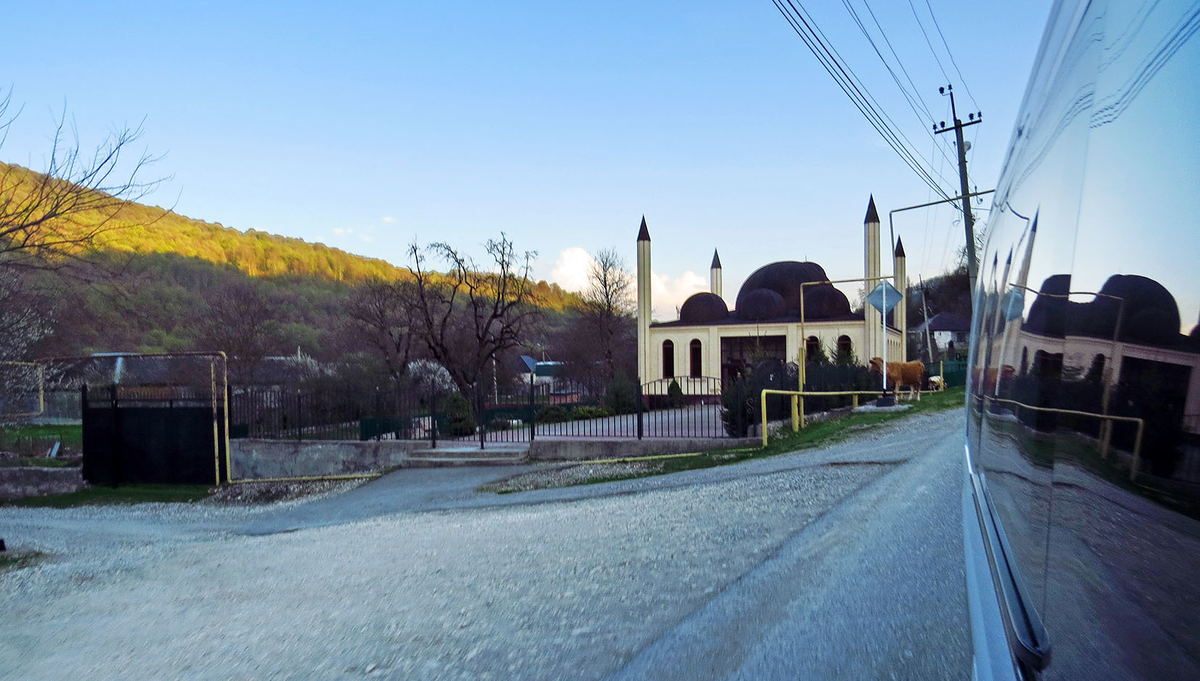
{"points": [[32, 481], [257, 459]]}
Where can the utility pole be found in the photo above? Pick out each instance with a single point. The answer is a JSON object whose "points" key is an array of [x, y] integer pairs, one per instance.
{"points": [[968, 218]]}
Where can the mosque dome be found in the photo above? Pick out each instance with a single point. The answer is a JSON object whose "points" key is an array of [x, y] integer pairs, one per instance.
{"points": [[703, 308], [760, 304], [784, 280], [825, 302]]}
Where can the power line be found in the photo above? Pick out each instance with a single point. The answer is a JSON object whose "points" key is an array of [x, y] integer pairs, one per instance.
{"points": [[849, 83], [949, 53], [904, 91], [929, 42]]}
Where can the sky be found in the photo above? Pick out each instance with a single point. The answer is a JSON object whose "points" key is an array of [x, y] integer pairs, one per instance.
{"points": [[368, 126]]}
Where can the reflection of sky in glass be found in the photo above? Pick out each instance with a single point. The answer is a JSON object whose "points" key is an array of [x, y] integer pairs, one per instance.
{"points": [[1111, 146]]}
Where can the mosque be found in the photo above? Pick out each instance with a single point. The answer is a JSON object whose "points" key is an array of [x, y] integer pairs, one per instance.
{"points": [[779, 307]]}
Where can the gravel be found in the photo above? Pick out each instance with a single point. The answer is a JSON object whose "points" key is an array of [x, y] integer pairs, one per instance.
{"points": [[566, 589], [570, 475]]}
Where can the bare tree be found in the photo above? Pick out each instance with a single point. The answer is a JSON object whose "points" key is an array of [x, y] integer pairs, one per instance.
{"points": [[242, 323], [50, 218], [381, 311], [469, 315], [608, 306], [22, 325]]}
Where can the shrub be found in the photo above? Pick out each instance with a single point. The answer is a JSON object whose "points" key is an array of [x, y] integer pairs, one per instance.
{"points": [[553, 413], [738, 410], [590, 412], [458, 412], [621, 395], [499, 424], [674, 395]]}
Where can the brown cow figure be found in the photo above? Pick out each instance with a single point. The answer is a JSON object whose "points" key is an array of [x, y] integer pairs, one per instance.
{"points": [[901, 374]]}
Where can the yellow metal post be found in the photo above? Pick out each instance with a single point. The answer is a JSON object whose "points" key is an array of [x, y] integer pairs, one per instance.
{"points": [[802, 424], [795, 414], [763, 400]]}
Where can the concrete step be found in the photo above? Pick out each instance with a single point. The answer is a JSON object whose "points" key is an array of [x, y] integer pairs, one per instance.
{"points": [[456, 461], [473, 452]]}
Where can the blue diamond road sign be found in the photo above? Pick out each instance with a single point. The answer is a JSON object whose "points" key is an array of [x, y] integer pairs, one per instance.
{"points": [[884, 304]]}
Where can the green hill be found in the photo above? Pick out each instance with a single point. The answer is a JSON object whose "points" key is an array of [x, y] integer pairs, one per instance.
{"points": [[161, 269]]}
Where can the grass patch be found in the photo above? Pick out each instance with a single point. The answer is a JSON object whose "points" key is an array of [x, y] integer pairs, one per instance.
{"points": [[39, 461], [818, 434], [125, 494], [15, 560], [36, 439]]}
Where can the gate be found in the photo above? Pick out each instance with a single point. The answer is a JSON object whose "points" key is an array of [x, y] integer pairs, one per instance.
{"points": [[140, 434]]}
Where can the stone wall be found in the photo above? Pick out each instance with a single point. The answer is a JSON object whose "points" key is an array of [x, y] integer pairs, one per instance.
{"points": [[259, 459], [31, 481]]}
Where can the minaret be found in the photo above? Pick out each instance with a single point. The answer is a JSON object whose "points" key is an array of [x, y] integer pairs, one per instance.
{"points": [[901, 311], [643, 300], [714, 274], [873, 335]]}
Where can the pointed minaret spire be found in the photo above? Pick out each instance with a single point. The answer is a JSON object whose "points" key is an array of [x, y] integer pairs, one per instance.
{"points": [[714, 274], [644, 234], [644, 304], [872, 214], [899, 248]]}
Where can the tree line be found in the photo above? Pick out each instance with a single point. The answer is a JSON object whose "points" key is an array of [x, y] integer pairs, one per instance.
{"points": [[85, 267]]}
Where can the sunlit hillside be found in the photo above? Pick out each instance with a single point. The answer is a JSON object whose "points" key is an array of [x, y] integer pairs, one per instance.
{"points": [[148, 229]]}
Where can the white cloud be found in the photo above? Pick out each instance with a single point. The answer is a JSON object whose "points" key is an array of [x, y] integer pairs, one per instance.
{"points": [[571, 269], [339, 231], [364, 237], [388, 218], [667, 293]]}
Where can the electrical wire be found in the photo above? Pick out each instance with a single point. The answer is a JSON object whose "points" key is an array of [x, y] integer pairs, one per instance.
{"points": [[929, 42], [801, 22], [904, 91], [949, 53]]}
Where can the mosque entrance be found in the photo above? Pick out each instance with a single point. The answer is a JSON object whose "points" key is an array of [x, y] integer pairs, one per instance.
{"points": [[746, 351]]}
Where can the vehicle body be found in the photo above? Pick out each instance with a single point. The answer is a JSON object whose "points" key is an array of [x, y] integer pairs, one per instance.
{"points": [[1081, 495]]}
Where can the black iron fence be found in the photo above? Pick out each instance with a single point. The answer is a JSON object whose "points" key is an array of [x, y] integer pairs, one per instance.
{"points": [[574, 408]]}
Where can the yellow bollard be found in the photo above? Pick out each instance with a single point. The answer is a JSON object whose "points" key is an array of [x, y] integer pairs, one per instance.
{"points": [[801, 398], [795, 414], [763, 395]]}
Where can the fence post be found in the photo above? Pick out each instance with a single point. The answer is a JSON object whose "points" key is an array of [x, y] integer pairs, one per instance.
{"points": [[116, 435], [532, 410], [640, 409], [480, 413], [433, 420], [299, 416]]}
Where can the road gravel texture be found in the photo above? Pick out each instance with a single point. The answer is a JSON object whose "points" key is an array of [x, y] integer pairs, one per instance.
{"points": [[837, 563]]}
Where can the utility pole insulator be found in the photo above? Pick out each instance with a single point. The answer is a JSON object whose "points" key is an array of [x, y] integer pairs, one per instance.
{"points": [[968, 217]]}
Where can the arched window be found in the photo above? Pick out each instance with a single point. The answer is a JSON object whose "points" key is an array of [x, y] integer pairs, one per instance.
{"points": [[668, 359], [695, 357], [812, 348], [845, 349]]}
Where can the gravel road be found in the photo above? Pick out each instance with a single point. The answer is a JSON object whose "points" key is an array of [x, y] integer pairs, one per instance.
{"points": [[836, 563]]}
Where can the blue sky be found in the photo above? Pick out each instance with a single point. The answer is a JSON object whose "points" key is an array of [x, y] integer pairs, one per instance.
{"points": [[366, 126]]}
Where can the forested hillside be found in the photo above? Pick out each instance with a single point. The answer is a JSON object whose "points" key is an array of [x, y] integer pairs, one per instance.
{"points": [[153, 280]]}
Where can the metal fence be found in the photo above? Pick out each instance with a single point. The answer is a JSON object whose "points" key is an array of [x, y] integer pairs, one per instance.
{"points": [[589, 408]]}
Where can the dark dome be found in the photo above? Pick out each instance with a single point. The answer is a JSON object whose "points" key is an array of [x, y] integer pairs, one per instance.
{"points": [[760, 304], [703, 308], [1047, 315], [825, 302], [784, 278], [1151, 315]]}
